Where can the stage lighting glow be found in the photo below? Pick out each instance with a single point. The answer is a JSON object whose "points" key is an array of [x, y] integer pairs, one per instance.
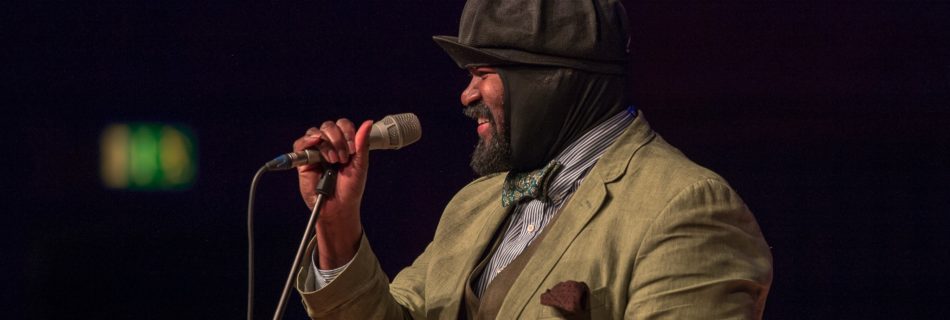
{"points": [[147, 156]]}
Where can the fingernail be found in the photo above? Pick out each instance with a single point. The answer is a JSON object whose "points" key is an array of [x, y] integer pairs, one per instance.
{"points": [[351, 147], [343, 156]]}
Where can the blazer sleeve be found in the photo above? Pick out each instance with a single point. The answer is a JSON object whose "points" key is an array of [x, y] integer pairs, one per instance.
{"points": [[704, 257], [362, 291]]}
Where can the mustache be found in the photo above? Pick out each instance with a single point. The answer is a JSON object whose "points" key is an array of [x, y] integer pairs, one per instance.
{"points": [[479, 110]]}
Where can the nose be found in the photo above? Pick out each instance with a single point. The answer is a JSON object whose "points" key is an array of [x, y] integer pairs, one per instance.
{"points": [[471, 93]]}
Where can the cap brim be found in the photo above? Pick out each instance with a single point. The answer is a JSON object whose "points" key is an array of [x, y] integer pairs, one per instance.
{"points": [[467, 56]]}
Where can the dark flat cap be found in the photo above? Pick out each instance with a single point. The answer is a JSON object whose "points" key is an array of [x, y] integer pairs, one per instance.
{"points": [[582, 34]]}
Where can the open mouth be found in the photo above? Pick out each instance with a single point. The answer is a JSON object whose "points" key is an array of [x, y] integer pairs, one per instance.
{"points": [[482, 116], [483, 126]]}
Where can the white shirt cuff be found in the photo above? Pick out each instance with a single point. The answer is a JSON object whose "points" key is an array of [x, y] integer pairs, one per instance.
{"points": [[324, 277]]}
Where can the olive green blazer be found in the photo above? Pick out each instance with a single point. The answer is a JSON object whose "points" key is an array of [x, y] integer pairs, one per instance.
{"points": [[653, 235]]}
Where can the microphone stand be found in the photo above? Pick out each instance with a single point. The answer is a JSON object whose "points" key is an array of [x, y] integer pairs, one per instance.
{"points": [[325, 188]]}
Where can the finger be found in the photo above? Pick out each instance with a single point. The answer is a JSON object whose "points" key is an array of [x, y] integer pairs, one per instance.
{"points": [[311, 138], [332, 133], [312, 131], [308, 141], [328, 153], [349, 133], [362, 143]]}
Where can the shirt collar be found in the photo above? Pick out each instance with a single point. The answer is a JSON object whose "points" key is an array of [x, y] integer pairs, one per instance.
{"points": [[582, 154]]}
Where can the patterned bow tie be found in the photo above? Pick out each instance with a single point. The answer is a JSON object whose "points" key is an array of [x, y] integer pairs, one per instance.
{"points": [[530, 185]]}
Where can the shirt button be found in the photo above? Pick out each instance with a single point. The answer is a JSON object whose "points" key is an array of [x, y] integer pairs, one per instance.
{"points": [[530, 228]]}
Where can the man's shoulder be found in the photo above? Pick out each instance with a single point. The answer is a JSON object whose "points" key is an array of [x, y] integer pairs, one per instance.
{"points": [[482, 189], [666, 170], [641, 158], [662, 158], [470, 206]]}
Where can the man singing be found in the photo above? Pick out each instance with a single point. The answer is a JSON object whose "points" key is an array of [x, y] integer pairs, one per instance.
{"points": [[581, 210]]}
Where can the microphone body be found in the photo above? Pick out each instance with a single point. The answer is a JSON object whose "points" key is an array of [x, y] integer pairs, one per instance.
{"points": [[392, 132]]}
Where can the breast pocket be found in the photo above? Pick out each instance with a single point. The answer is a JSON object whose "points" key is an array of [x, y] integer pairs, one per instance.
{"points": [[598, 307]]}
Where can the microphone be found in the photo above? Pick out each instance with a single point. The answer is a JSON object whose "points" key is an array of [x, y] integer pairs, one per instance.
{"points": [[392, 132]]}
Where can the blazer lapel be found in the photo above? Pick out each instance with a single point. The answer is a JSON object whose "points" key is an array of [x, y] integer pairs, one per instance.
{"points": [[462, 263]]}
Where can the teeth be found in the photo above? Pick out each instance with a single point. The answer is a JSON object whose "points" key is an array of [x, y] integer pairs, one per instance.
{"points": [[482, 121]]}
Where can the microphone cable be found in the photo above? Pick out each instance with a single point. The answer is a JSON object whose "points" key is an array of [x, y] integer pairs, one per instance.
{"points": [[250, 242]]}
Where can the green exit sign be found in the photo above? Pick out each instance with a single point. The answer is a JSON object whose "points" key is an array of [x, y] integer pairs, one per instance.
{"points": [[147, 156]]}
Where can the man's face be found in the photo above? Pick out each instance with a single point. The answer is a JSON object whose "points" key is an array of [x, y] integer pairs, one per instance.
{"points": [[483, 99]]}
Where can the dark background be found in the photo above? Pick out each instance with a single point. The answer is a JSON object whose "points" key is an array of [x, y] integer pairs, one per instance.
{"points": [[831, 120]]}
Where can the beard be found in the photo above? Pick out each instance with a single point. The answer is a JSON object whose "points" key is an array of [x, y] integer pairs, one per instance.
{"points": [[492, 155]]}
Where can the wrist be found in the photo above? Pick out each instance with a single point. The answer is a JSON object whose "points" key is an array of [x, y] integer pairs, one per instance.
{"points": [[338, 241]]}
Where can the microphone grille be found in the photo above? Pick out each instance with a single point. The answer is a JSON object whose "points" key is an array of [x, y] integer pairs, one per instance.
{"points": [[406, 126]]}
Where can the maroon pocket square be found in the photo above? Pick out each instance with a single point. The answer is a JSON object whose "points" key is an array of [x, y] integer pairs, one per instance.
{"points": [[570, 298]]}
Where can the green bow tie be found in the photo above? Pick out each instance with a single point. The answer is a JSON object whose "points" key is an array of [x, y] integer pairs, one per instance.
{"points": [[531, 184]]}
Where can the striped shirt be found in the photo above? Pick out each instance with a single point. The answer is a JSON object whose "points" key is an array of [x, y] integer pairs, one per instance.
{"points": [[529, 218]]}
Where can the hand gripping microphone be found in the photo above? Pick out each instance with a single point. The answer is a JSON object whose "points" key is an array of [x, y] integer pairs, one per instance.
{"points": [[392, 132]]}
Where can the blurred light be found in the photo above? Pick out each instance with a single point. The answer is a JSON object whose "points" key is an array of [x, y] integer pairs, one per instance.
{"points": [[147, 156], [114, 156]]}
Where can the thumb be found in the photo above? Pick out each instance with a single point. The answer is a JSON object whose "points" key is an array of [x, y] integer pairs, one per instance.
{"points": [[361, 158]]}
